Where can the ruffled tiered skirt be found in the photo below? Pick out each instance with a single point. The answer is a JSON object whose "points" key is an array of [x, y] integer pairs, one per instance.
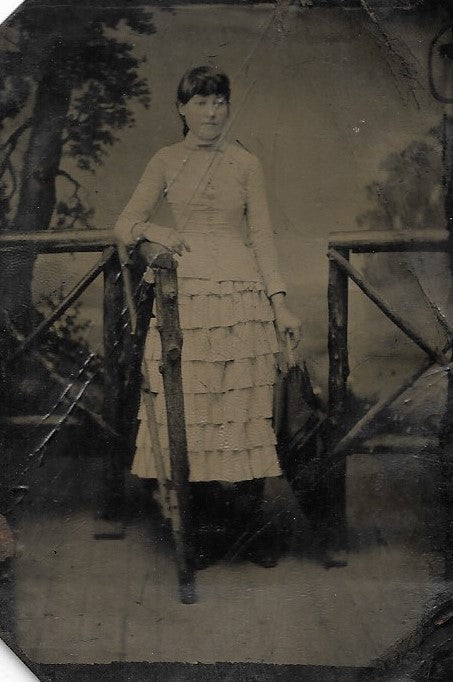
{"points": [[229, 363]]}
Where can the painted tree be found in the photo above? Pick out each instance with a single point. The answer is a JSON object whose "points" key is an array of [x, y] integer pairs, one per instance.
{"points": [[67, 82]]}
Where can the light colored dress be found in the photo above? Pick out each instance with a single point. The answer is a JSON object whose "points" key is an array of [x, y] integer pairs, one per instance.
{"points": [[218, 200]]}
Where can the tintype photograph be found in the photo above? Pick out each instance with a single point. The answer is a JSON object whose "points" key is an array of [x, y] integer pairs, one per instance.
{"points": [[226, 339]]}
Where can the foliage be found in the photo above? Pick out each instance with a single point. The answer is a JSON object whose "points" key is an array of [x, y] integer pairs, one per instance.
{"points": [[69, 327], [410, 196], [68, 335], [79, 43]]}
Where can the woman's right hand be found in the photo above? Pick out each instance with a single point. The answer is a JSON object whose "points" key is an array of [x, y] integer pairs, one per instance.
{"points": [[166, 236]]}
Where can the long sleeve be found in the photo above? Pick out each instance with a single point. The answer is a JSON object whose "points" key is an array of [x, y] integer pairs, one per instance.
{"points": [[260, 230], [143, 203]]}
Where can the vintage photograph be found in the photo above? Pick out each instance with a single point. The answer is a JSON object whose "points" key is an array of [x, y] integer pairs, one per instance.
{"points": [[226, 333]]}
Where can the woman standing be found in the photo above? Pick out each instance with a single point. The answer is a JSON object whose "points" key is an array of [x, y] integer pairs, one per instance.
{"points": [[231, 298]]}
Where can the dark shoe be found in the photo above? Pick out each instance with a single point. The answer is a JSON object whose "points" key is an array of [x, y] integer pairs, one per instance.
{"points": [[261, 543], [264, 551], [328, 556], [334, 560], [266, 559]]}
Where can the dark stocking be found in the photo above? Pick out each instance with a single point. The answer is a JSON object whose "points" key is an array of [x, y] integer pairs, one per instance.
{"points": [[228, 521], [210, 510], [255, 535]]}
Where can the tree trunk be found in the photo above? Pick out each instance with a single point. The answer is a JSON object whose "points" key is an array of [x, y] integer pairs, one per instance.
{"points": [[37, 191]]}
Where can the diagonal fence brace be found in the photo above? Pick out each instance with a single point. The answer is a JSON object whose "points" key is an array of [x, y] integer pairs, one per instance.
{"points": [[435, 355], [64, 305]]}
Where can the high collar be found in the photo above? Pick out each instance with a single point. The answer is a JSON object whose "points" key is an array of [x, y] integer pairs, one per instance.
{"points": [[193, 143]]}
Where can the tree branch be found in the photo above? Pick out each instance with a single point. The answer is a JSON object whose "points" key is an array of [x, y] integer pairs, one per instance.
{"points": [[77, 187], [14, 137], [77, 120], [12, 172], [71, 179], [11, 142]]}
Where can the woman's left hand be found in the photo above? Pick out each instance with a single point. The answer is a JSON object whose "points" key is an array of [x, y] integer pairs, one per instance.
{"points": [[287, 322]]}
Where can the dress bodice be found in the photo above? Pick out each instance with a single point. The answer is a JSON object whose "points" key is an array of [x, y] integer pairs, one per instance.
{"points": [[205, 188], [217, 197]]}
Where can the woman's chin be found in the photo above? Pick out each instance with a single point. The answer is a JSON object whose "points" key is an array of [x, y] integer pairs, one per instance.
{"points": [[209, 134]]}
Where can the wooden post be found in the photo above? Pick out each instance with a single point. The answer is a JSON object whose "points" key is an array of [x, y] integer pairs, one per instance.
{"points": [[7, 600], [335, 523], [446, 432], [445, 473], [7, 580], [113, 382], [166, 291]]}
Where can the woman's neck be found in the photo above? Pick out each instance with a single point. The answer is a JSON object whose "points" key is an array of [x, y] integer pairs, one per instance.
{"points": [[195, 142]]}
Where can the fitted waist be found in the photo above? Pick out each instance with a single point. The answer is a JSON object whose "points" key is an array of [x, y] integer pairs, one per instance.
{"points": [[194, 218], [220, 256], [215, 232], [212, 228]]}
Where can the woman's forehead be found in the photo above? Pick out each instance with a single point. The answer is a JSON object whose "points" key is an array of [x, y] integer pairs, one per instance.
{"points": [[211, 95]]}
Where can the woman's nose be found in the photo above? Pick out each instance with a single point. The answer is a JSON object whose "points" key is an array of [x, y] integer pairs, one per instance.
{"points": [[212, 110]]}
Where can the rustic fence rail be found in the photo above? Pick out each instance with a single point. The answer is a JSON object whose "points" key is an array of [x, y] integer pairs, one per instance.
{"points": [[124, 342], [58, 241], [123, 349], [341, 247]]}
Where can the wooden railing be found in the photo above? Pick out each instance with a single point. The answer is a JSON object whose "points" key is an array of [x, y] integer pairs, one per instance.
{"points": [[341, 246], [126, 318]]}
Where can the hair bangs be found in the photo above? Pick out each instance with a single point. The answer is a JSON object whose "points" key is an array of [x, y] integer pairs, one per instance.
{"points": [[204, 81]]}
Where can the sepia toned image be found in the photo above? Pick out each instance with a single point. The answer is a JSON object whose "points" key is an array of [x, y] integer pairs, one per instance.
{"points": [[226, 336]]}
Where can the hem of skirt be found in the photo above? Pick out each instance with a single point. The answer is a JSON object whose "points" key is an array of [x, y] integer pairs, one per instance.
{"points": [[220, 479], [242, 470]]}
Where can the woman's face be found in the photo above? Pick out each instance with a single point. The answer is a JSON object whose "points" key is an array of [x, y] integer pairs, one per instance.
{"points": [[205, 116]]}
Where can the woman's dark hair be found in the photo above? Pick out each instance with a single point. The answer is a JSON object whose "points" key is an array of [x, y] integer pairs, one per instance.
{"points": [[202, 80]]}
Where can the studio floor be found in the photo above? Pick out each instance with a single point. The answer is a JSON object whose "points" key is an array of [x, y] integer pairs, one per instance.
{"points": [[78, 599]]}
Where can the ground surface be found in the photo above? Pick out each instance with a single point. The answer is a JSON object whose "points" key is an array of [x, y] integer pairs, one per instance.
{"points": [[82, 600]]}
